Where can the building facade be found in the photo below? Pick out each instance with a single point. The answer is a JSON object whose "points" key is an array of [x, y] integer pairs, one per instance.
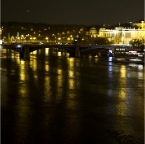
{"points": [[122, 35]]}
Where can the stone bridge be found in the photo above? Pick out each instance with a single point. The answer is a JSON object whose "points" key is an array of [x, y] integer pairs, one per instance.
{"points": [[73, 50]]}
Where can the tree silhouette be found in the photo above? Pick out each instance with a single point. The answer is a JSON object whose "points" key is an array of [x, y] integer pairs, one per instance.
{"points": [[137, 42]]}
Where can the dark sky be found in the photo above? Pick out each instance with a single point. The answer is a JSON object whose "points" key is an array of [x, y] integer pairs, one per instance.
{"points": [[86, 12]]}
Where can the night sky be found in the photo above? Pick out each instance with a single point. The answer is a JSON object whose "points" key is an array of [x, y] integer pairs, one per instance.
{"points": [[86, 12]]}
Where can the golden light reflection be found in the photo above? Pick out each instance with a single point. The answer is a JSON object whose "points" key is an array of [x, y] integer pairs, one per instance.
{"points": [[59, 78], [33, 64], [96, 56], [11, 52], [123, 71], [59, 54], [23, 91], [59, 82], [71, 73], [16, 58], [121, 107], [59, 71], [34, 52], [23, 77], [71, 83], [47, 88], [46, 51], [67, 54], [122, 93], [22, 71], [71, 62], [22, 62], [35, 76], [47, 68]]}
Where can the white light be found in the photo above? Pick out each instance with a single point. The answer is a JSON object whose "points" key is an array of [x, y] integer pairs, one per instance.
{"points": [[19, 46], [110, 59], [110, 51], [1, 41]]}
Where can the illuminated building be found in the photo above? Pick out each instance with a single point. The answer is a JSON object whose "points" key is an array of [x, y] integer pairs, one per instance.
{"points": [[92, 32], [122, 35]]}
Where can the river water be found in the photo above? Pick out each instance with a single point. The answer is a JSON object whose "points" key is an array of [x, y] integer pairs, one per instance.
{"points": [[54, 99]]}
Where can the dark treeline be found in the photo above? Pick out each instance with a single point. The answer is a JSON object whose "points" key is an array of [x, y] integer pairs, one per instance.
{"points": [[24, 28], [31, 28]]}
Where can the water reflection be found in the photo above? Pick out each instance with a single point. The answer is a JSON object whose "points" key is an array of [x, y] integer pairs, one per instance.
{"points": [[52, 95], [22, 71], [59, 53], [46, 51], [123, 72], [121, 81], [33, 63], [140, 75], [47, 89], [121, 108], [47, 68]]}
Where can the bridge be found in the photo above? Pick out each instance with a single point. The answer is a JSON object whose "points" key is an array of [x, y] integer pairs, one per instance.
{"points": [[74, 50]]}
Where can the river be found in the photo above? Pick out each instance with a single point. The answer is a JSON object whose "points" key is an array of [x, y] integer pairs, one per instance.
{"points": [[56, 99]]}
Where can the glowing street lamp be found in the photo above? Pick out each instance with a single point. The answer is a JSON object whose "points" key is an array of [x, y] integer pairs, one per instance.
{"points": [[34, 38], [59, 38]]}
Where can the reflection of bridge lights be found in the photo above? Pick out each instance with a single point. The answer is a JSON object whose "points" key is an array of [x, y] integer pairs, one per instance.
{"points": [[71, 73], [71, 83], [59, 53], [46, 51], [59, 71], [47, 68], [71, 62]]}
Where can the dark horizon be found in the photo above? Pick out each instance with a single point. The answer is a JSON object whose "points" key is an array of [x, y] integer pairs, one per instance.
{"points": [[45, 23]]}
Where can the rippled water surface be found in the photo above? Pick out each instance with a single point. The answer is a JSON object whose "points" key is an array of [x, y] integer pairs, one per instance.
{"points": [[52, 98]]}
